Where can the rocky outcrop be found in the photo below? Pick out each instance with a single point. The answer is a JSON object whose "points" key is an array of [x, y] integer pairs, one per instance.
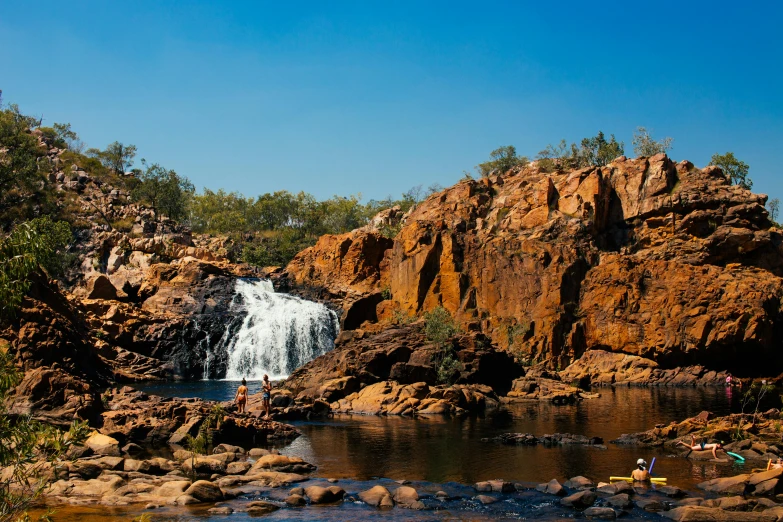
{"points": [[151, 421], [400, 354], [601, 368], [759, 434], [642, 257], [391, 398]]}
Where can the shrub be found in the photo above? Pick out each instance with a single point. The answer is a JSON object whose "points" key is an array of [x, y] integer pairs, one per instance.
{"points": [[645, 145], [123, 224], [439, 327]]}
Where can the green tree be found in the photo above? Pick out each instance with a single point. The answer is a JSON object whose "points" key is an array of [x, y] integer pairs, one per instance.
{"points": [[22, 167], [38, 244], [734, 169], [439, 328], [117, 156], [29, 451], [645, 145], [164, 190], [598, 151], [502, 160]]}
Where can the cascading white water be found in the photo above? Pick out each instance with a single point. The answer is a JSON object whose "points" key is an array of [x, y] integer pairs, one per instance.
{"points": [[279, 332]]}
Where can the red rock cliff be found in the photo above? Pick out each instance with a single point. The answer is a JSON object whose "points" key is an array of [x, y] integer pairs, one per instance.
{"points": [[641, 256]]}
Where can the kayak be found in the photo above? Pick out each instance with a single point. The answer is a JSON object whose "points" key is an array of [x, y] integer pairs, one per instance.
{"points": [[738, 457], [629, 479]]}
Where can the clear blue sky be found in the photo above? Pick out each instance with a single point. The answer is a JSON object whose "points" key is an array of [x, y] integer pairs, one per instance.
{"points": [[375, 97]]}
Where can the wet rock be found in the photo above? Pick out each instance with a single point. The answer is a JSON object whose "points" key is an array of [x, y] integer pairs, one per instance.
{"points": [[580, 500], [281, 463], [132, 449], [649, 504], [205, 491], [322, 495], [297, 491], [620, 501], [295, 501], [259, 508], [671, 491], [733, 504], [222, 510], [600, 513], [405, 496], [553, 487], [375, 495], [499, 486], [579, 482], [486, 499]]}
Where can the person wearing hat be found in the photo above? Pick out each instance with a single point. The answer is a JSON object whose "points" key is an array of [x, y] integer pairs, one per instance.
{"points": [[640, 474]]}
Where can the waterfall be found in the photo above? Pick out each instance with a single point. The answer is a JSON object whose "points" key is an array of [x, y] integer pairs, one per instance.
{"points": [[278, 332]]}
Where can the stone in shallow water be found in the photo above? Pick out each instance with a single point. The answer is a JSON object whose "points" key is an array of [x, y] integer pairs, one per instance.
{"points": [[486, 499], [295, 500], [553, 487], [581, 499], [600, 513]]}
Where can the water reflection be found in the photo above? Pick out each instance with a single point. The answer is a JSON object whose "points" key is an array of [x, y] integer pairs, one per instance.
{"points": [[442, 450]]}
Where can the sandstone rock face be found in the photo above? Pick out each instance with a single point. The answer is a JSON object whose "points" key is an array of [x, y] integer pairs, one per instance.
{"points": [[401, 354], [644, 257]]}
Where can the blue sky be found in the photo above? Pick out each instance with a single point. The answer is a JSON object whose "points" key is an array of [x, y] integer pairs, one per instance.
{"points": [[376, 97]]}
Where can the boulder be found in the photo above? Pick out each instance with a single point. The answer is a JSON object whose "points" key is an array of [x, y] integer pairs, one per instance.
{"points": [[375, 496], [295, 501], [600, 513], [553, 487], [579, 500], [620, 501], [486, 499], [205, 491], [579, 482], [322, 495], [103, 445], [405, 496]]}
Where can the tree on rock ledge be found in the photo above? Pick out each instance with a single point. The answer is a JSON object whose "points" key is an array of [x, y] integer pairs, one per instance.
{"points": [[734, 169]]}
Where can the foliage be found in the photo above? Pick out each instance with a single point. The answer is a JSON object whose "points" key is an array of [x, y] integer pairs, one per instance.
{"points": [[30, 246], [645, 145], [501, 160], [62, 136], [401, 318], [591, 151], [439, 327], [22, 167], [27, 448], [164, 190], [734, 169], [116, 156], [773, 205], [449, 368]]}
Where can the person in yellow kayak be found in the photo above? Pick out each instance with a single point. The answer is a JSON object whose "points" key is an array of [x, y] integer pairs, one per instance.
{"points": [[640, 474]]}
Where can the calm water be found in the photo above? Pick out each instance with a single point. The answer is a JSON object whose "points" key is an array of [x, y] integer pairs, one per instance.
{"points": [[440, 450]]}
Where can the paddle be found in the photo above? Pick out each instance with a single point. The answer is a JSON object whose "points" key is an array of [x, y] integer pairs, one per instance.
{"points": [[651, 466]]}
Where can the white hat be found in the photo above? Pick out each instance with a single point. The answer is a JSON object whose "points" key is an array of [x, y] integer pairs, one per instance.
{"points": [[641, 462]]}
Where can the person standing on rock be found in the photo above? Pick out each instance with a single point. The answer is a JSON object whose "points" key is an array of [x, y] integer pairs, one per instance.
{"points": [[267, 395], [241, 396]]}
